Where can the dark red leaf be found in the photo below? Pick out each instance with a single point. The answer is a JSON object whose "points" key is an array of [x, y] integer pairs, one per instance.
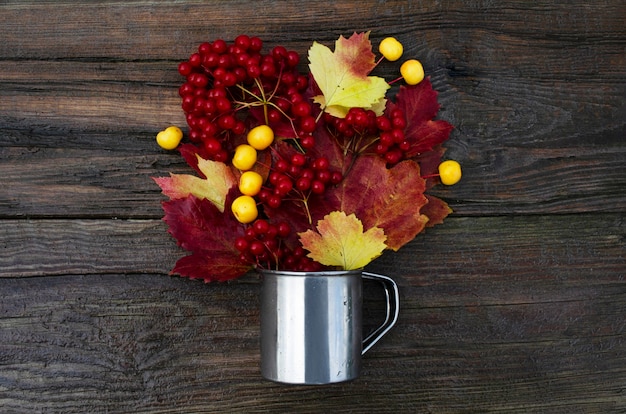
{"points": [[420, 106], [429, 165], [326, 145], [387, 198], [202, 229], [436, 210], [190, 153], [210, 267]]}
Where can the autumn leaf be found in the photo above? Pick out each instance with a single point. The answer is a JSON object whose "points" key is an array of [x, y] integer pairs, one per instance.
{"points": [[342, 75], [209, 235], [389, 198], [429, 165], [436, 210], [420, 106], [191, 154], [340, 241], [219, 180]]}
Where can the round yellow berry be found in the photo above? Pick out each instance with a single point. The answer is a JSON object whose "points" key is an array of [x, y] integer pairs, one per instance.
{"points": [[250, 183], [261, 137], [412, 71], [391, 49], [244, 209], [169, 138], [245, 157], [450, 172]]}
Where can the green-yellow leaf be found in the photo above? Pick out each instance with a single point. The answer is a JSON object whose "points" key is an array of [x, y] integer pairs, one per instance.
{"points": [[219, 180], [342, 75], [340, 241]]}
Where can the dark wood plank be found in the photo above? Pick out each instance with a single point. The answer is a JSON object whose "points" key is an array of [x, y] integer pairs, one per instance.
{"points": [[64, 247], [478, 318], [57, 182], [151, 344], [125, 27]]}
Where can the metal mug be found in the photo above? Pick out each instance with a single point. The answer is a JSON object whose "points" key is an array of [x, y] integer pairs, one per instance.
{"points": [[311, 325]]}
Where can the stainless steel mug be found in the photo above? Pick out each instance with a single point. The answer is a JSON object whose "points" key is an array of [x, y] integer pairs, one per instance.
{"points": [[311, 325]]}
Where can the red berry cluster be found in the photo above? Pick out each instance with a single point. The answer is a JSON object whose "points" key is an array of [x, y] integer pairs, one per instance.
{"points": [[362, 131], [263, 245], [300, 176], [297, 178], [223, 79]]}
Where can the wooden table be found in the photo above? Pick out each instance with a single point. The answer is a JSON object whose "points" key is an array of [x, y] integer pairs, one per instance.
{"points": [[515, 304]]}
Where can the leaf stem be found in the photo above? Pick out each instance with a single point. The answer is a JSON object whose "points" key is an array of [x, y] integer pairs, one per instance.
{"points": [[319, 116]]}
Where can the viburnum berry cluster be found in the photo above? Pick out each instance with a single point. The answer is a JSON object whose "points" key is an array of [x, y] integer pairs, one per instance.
{"points": [[362, 131], [225, 80], [301, 170]]}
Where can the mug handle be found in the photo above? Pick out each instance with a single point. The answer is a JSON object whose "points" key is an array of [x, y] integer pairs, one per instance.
{"points": [[393, 308]]}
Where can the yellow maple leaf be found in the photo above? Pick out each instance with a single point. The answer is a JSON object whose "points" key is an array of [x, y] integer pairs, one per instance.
{"points": [[340, 241], [219, 180], [342, 76]]}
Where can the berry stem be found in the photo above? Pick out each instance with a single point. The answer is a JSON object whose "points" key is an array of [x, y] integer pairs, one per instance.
{"points": [[305, 201], [380, 59], [396, 80], [262, 100]]}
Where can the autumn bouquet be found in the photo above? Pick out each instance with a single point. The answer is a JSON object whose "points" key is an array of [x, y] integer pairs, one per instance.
{"points": [[302, 171]]}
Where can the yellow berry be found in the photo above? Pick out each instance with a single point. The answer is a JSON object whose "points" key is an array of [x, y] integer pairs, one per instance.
{"points": [[450, 172], [250, 183], [391, 49], [244, 209], [245, 157], [412, 71], [169, 138], [261, 137]]}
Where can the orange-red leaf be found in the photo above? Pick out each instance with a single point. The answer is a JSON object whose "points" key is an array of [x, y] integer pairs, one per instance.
{"points": [[387, 198], [219, 180]]}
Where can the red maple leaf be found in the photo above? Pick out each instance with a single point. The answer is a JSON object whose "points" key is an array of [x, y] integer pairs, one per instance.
{"points": [[420, 106], [436, 210], [429, 165], [389, 198], [202, 229]]}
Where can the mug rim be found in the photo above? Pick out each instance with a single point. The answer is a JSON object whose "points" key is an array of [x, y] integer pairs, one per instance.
{"points": [[321, 273]]}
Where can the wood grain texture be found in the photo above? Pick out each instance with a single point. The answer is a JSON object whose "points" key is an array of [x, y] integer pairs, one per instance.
{"points": [[515, 304]]}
